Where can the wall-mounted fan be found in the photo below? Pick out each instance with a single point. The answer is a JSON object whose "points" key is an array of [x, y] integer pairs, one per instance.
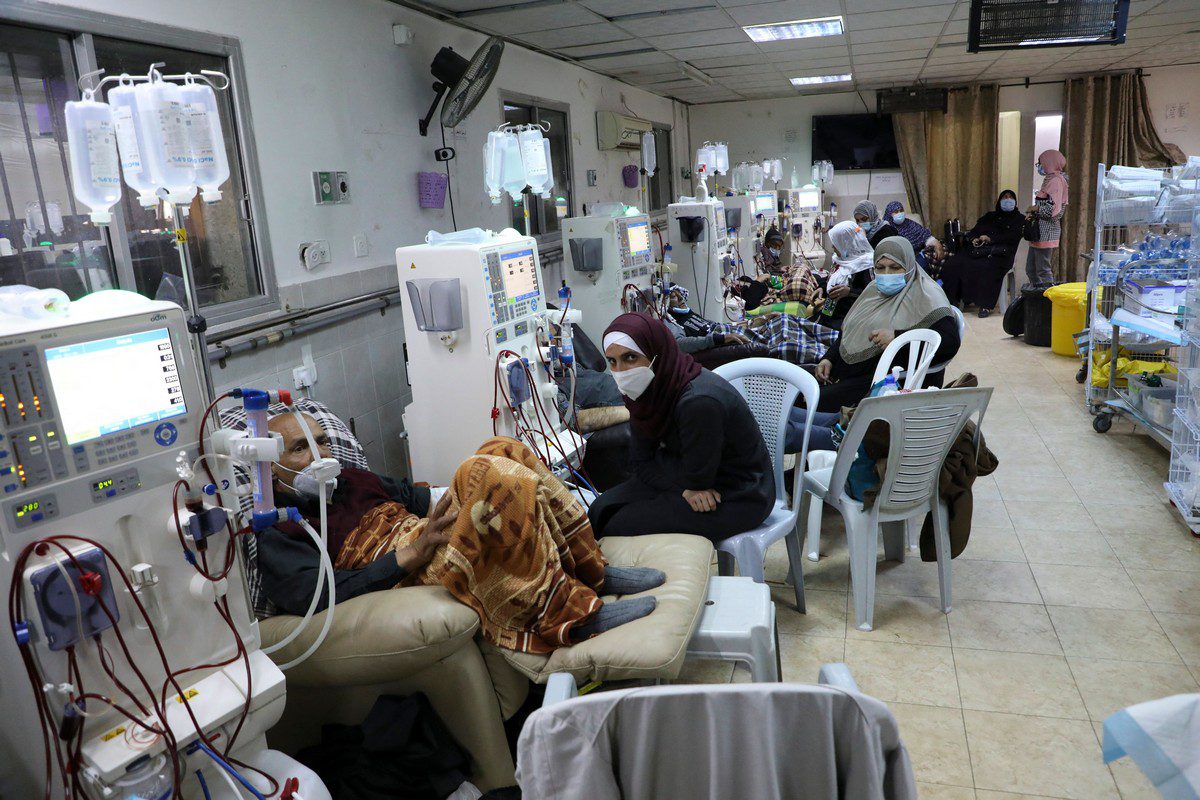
{"points": [[462, 82]]}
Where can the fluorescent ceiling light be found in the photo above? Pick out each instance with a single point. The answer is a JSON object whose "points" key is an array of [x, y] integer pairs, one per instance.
{"points": [[1062, 40], [691, 72], [796, 29], [814, 79]]}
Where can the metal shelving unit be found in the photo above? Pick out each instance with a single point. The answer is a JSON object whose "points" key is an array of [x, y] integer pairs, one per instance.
{"points": [[1121, 220], [1183, 481]]}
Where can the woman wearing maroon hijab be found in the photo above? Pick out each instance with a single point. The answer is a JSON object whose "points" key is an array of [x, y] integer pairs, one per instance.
{"points": [[698, 458]]}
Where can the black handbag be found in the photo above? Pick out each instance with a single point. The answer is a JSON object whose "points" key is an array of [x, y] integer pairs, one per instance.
{"points": [[1032, 230]]}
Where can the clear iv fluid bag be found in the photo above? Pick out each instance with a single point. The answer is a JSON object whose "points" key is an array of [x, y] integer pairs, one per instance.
{"points": [[756, 177], [168, 151], [493, 165], [130, 144], [777, 169], [721, 151], [537, 165], [205, 138], [95, 170], [706, 157], [649, 153], [512, 168]]}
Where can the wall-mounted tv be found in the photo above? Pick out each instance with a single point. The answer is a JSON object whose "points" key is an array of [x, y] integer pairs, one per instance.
{"points": [[855, 141]]}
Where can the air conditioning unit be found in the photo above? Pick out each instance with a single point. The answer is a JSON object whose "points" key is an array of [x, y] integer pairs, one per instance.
{"points": [[913, 98], [618, 132], [1027, 24]]}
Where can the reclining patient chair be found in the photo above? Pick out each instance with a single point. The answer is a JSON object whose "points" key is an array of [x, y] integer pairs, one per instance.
{"points": [[420, 639]]}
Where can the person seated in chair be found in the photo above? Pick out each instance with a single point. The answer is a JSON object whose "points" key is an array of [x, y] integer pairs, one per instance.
{"points": [[506, 538], [699, 461], [975, 275]]}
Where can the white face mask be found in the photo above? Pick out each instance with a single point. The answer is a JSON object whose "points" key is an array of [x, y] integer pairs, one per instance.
{"points": [[633, 382], [307, 485]]}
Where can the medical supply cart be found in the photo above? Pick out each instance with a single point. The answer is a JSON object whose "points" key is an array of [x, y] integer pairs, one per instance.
{"points": [[1136, 281]]}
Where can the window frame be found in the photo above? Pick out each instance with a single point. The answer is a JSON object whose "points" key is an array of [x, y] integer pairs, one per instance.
{"points": [[553, 239], [80, 26]]}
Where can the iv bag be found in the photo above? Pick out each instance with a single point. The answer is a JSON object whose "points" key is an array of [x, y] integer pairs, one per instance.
{"points": [[706, 159], [547, 186], [649, 153], [756, 177], [826, 171], [92, 139], [493, 164], [738, 179], [168, 150], [533, 155], [130, 144], [816, 172], [795, 177], [721, 150], [777, 169], [512, 167], [206, 140]]}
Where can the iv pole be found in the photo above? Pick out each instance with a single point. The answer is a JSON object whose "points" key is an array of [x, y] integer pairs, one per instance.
{"points": [[196, 323]]}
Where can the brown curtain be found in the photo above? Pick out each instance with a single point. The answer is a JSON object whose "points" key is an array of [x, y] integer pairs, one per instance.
{"points": [[914, 160], [949, 160], [1107, 121]]}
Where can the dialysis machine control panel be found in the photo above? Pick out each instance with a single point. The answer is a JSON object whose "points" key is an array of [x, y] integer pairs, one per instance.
{"points": [[72, 408], [620, 249], [454, 373], [700, 246], [804, 226]]}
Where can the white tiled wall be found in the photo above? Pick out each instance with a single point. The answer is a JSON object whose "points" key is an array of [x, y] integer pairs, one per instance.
{"points": [[359, 362]]}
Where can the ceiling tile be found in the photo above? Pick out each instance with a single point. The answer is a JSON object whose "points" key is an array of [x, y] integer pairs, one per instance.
{"points": [[732, 61], [458, 6], [602, 32], [897, 35], [934, 16], [615, 8], [778, 11], [745, 70], [616, 63], [542, 18], [697, 39], [857, 7], [870, 59], [661, 25], [913, 45], [806, 9], [602, 48], [715, 50]]}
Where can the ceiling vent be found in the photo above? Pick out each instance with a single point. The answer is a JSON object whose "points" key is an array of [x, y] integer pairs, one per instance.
{"points": [[913, 98], [1020, 24]]}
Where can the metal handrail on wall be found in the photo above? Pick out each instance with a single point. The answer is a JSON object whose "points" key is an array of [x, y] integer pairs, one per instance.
{"points": [[297, 323]]}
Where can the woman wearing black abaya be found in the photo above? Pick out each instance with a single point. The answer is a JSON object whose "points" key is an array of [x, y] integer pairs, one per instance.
{"points": [[974, 275]]}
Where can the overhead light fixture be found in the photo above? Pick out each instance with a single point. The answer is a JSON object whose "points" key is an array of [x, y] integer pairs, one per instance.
{"points": [[691, 72], [1028, 24], [818, 79], [1059, 40], [796, 29]]}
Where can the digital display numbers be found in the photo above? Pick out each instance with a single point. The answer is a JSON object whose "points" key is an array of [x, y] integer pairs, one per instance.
{"points": [[27, 508], [100, 486]]}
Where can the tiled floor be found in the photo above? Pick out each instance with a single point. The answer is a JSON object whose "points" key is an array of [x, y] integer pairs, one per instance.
{"points": [[1078, 594]]}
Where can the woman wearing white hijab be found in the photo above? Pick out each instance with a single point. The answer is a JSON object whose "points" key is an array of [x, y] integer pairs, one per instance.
{"points": [[902, 297], [853, 259]]}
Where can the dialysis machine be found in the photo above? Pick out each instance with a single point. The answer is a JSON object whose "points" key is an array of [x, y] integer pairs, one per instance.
{"points": [[99, 414], [805, 225], [701, 249], [605, 260], [476, 327], [749, 217]]}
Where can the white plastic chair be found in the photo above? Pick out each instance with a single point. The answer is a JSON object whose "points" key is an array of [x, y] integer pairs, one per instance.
{"points": [[770, 387], [924, 345], [962, 331], [922, 428]]}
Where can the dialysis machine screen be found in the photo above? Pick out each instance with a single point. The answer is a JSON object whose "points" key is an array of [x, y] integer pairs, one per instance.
{"points": [[519, 274], [808, 200], [111, 385], [638, 234], [764, 204]]}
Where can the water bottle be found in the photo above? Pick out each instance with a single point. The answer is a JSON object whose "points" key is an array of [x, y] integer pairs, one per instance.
{"points": [[168, 150], [889, 387], [130, 144], [667, 266], [206, 139], [91, 138]]}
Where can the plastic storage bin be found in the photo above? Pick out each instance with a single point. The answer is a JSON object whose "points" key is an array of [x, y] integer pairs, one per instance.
{"points": [[1159, 406], [1137, 384], [1067, 317], [1037, 314]]}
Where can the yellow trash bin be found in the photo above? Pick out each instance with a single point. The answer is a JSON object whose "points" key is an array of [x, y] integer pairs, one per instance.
{"points": [[1067, 317]]}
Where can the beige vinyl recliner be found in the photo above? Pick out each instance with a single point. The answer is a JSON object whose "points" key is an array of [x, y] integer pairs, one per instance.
{"points": [[420, 639]]}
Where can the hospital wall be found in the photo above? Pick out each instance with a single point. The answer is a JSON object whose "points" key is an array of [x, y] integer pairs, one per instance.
{"points": [[330, 90]]}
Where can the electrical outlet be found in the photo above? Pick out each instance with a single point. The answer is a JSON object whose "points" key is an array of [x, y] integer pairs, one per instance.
{"points": [[362, 247], [314, 254], [304, 377]]}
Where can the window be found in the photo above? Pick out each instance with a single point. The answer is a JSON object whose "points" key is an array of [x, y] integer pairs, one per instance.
{"points": [[51, 241], [543, 216], [660, 182], [48, 241]]}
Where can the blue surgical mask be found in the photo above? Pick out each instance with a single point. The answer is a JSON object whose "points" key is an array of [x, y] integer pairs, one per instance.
{"points": [[1041, 170], [775, 251], [1008, 204], [898, 217], [867, 227], [889, 285]]}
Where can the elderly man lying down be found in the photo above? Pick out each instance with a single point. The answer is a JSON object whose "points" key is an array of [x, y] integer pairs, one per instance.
{"points": [[506, 538]]}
